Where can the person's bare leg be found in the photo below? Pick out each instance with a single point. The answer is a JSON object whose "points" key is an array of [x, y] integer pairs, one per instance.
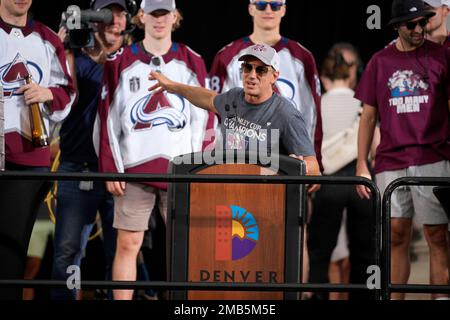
{"points": [[339, 272], [401, 229], [436, 236], [345, 275], [305, 275], [32, 267], [124, 266]]}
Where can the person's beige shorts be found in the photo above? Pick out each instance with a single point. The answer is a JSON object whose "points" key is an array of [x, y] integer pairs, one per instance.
{"points": [[132, 211], [416, 201]]}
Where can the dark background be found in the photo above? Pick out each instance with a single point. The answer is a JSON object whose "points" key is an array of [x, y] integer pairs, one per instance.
{"points": [[211, 24]]}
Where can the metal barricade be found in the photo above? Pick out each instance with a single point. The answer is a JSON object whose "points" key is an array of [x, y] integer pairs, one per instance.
{"points": [[248, 179], [382, 216], [2, 131], [387, 287]]}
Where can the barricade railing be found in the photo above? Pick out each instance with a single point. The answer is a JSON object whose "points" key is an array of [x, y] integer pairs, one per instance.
{"points": [[387, 286], [2, 130], [205, 178]]}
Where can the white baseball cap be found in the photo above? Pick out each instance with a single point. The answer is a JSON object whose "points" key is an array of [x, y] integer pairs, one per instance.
{"points": [[438, 3], [152, 5], [263, 52]]}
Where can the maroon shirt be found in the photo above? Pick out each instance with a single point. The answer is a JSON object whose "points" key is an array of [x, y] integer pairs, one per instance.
{"points": [[411, 91]]}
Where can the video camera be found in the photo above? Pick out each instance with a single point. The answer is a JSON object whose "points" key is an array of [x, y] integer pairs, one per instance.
{"points": [[80, 25]]}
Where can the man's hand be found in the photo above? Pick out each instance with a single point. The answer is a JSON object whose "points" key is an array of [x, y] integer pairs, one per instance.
{"points": [[363, 171], [313, 187], [117, 188], [198, 96], [163, 83], [62, 34], [34, 93]]}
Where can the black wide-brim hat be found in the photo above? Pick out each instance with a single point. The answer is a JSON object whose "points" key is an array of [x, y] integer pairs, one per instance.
{"points": [[406, 10]]}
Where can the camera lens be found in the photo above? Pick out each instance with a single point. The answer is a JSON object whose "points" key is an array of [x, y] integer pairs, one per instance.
{"points": [[81, 38]]}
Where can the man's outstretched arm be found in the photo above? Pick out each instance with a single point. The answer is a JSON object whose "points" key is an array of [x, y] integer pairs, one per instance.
{"points": [[198, 96]]}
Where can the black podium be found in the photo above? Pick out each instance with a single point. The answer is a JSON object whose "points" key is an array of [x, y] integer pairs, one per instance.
{"points": [[235, 233]]}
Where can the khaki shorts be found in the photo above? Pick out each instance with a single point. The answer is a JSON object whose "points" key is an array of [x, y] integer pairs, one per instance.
{"points": [[42, 229], [416, 201], [132, 211]]}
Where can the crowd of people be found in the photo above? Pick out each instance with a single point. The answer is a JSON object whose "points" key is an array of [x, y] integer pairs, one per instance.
{"points": [[129, 105]]}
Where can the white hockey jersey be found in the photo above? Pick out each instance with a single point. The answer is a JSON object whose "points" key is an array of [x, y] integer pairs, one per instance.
{"points": [[138, 131], [36, 50], [299, 80]]}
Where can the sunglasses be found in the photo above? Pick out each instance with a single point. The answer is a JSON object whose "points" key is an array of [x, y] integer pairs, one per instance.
{"points": [[413, 24], [260, 70], [262, 5]]}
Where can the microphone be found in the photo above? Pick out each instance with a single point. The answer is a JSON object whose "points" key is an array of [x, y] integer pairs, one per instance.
{"points": [[235, 112], [128, 30], [227, 110], [156, 62]]}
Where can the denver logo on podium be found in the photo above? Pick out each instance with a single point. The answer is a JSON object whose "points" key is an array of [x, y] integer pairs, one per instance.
{"points": [[237, 233]]}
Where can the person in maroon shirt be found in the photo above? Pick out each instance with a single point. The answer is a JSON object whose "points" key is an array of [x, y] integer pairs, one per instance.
{"points": [[406, 87]]}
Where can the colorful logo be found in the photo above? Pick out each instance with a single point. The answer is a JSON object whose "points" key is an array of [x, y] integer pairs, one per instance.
{"points": [[406, 83], [158, 109], [12, 75], [236, 233], [286, 89]]}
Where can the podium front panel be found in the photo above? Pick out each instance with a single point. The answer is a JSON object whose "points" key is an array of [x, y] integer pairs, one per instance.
{"points": [[237, 234]]}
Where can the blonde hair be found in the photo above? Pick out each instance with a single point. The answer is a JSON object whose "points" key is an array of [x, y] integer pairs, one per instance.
{"points": [[136, 19], [179, 18]]}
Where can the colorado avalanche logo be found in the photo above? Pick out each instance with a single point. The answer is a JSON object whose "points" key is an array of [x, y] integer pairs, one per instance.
{"points": [[406, 83], [12, 75], [286, 89], [156, 110]]}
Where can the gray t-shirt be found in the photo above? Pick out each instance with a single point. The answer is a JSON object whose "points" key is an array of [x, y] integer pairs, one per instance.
{"points": [[272, 124]]}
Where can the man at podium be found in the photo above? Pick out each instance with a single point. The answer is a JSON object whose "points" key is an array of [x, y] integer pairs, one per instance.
{"points": [[253, 116]]}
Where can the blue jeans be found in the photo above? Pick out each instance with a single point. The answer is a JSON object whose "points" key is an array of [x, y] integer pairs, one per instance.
{"points": [[75, 215]]}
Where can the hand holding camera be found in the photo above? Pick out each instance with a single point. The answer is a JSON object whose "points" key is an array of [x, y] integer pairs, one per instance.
{"points": [[79, 25]]}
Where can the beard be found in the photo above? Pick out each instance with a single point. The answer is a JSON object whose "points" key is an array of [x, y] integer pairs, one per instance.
{"points": [[413, 39]]}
